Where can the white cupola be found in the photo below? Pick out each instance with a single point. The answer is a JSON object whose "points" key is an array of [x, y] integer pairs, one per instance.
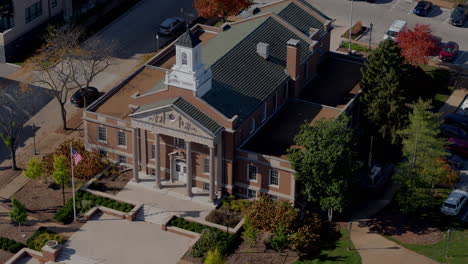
{"points": [[188, 72]]}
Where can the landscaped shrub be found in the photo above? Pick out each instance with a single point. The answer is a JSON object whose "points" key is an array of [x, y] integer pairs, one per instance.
{"points": [[250, 232], [85, 201], [224, 217], [267, 214], [233, 204], [40, 237], [10, 245], [86, 169], [41, 240], [182, 223], [279, 241], [306, 239], [214, 257], [208, 240], [356, 29]]}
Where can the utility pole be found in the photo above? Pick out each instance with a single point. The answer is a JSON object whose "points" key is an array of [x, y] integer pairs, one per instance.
{"points": [[350, 25], [447, 245]]}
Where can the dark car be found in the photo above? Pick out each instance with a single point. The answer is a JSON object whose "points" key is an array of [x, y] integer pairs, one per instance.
{"points": [[457, 120], [453, 131], [449, 51], [457, 149], [423, 8], [171, 25], [90, 94], [459, 15]]}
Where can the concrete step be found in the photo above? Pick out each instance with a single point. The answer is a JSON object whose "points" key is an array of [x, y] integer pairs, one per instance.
{"points": [[152, 214]]}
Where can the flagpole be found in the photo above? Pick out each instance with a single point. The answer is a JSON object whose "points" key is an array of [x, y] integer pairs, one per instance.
{"points": [[73, 182]]}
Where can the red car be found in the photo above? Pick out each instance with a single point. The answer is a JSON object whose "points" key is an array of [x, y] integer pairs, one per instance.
{"points": [[459, 142], [458, 146], [449, 51]]}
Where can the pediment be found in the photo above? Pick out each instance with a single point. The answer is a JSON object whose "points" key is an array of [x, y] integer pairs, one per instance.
{"points": [[172, 118]]}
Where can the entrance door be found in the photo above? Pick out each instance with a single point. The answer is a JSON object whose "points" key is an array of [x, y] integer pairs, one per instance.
{"points": [[180, 171]]}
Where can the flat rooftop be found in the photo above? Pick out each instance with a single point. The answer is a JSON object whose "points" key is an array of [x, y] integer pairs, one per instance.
{"points": [[278, 134], [147, 80], [336, 84]]}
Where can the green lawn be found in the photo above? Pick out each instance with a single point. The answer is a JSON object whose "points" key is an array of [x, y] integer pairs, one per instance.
{"points": [[339, 254], [458, 248]]}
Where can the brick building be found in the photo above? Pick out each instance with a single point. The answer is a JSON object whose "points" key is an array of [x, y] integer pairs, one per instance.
{"points": [[189, 116]]}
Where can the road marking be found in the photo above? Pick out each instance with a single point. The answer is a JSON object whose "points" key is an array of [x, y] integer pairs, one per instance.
{"points": [[395, 5], [445, 22]]}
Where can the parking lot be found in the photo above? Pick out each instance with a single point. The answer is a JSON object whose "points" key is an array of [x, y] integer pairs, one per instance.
{"points": [[383, 12]]}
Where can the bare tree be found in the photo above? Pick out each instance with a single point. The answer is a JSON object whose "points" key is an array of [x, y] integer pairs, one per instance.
{"points": [[12, 118]]}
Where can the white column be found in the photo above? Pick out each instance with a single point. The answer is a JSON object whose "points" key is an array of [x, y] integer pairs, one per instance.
{"points": [[158, 162], [219, 172], [212, 175], [135, 155], [189, 168], [143, 143]]}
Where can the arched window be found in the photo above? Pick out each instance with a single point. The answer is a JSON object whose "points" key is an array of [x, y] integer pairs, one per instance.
{"points": [[184, 58]]}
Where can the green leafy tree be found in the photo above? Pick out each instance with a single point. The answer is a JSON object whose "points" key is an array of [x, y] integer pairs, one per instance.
{"points": [[34, 169], [61, 174], [386, 90], [422, 149], [214, 257], [279, 241], [18, 212], [324, 162]]}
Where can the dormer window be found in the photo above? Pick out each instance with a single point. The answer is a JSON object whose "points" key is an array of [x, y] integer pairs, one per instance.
{"points": [[184, 58]]}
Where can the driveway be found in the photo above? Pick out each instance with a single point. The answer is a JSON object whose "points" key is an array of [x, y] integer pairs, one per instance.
{"points": [[107, 239]]}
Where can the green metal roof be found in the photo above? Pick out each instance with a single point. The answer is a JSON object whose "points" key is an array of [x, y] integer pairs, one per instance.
{"points": [[300, 19], [304, 2], [188, 109], [242, 79]]}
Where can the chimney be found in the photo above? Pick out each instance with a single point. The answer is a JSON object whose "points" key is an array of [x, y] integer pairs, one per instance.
{"points": [[292, 58], [262, 50]]}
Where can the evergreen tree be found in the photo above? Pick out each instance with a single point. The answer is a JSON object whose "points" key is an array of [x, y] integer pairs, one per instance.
{"points": [[34, 169], [325, 162], [61, 174], [385, 90], [18, 212], [422, 149]]}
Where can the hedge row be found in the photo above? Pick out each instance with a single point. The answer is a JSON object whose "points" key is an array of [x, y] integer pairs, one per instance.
{"points": [[85, 201], [40, 237], [211, 238], [10, 245]]}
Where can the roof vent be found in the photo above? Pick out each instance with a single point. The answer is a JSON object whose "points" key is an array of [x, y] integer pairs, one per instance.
{"points": [[262, 50]]}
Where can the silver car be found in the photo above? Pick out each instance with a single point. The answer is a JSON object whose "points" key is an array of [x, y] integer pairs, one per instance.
{"points": [[171, 25], [454, 203]]}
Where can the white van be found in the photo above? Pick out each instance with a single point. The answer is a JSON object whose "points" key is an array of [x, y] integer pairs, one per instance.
{"points": [[397, 27], [454, 203]]}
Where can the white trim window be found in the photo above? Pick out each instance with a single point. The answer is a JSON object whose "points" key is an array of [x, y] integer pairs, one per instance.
{"points": [[252, 126], [121, 139], [251, 172], [264, 114], [153, 172], [184, 58], [179, 142], [274, 177], [153, 151], [206, 165], [122, 159], [102, 134], [251, 194]]}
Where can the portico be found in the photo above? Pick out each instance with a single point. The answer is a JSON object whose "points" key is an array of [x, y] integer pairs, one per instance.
{"points": [[196, 145]]}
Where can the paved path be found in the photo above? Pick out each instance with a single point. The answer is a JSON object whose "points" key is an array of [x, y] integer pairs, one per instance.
{"points": [[453, 101]]}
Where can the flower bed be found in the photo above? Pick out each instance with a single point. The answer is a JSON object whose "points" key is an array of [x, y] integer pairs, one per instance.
{"points": [[41, 236], [10, 245], [112, 180], [85, 201], [230, 213]]}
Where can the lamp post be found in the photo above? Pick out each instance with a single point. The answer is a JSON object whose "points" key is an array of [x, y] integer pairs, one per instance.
{"points": [[350, 24], [157, 42], [447, 244], [370, 35], [34, 138]]}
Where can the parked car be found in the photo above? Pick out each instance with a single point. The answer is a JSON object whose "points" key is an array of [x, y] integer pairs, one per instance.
{"points": [[455, 161], [423, 8], [453, 131], [454, 203], [459, 15], [171, 25], [457, 120], [449, 51], [457, 149], [90, 93], [396, 27], [460, 142]]}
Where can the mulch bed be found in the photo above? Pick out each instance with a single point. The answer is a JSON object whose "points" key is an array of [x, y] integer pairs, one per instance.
{"points": [[112, 183], [259, 253], [392, 222]]}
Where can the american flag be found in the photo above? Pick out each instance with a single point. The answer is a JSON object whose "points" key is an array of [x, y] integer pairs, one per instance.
{"points": [[76, 156]]}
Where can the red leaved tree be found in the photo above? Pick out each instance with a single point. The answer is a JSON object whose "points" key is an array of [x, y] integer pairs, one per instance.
{"points": [[417, 44], [220, 8]]}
